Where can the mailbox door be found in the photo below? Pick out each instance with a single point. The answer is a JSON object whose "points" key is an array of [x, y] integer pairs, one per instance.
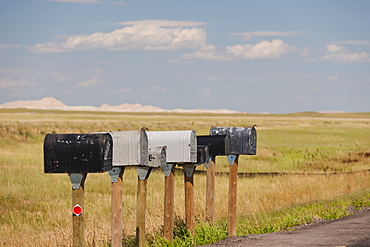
{"points": [[203, 154], [216, 144], [77, 153], [181, 145], [250, 146], [130, 148], [239, 140], [157, 157]]}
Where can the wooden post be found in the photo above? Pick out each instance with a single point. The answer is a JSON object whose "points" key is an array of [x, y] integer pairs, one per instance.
{"points": [[144, 173], [189, 197], [117, 207], [169, 198], [210, 190], [78, 186], [140, 213], [232, 197]]}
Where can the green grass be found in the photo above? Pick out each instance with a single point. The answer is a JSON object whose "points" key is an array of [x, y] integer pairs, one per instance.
{"points": [[271, 221]]}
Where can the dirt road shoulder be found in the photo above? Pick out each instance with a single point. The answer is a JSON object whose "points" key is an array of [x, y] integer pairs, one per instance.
{"points": [[351, 231]]}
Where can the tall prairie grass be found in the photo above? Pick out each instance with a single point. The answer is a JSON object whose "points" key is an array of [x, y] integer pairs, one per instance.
{"points": [[35, 208]]}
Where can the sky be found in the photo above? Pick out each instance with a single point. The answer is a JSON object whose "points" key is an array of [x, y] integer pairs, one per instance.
{"points": [[261, 56]]}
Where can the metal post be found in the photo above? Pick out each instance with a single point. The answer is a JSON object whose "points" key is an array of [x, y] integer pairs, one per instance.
{"points": [[210, 190], [232, 194], [169, 198], [116, 175], [141, 205], [78, 184], [189, 197]]}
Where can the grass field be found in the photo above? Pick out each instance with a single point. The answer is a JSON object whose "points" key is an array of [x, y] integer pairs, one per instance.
{"points": [[35, 208]]}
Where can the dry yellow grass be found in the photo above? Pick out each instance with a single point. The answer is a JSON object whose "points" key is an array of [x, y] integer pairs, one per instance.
{"points": [[35, 208]]}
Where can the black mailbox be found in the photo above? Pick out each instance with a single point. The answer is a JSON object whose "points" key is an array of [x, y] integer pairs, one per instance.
{"points": [[215, 143], [77, 153], [202, 154], [239, 140]]}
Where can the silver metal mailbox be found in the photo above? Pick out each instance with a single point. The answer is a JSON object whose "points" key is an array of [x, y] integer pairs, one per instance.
{"points": [[181, 145], [130, 148], [239, 140], [157, 156]]}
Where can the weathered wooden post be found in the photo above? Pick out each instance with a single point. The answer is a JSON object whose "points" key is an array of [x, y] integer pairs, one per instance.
{"points": [[77, 155], [144, 173], [233, 180], [238, 140], [216, 146], [181, 150], [116, 175], [78, 186], [210, 190], [169, 198], [189, 197], [130, 148]]}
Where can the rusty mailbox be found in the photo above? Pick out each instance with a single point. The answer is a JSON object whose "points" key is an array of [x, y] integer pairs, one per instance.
{"points": [[238, 140], [77, 153]]}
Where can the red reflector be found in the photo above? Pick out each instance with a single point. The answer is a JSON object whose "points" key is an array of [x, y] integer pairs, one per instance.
{"points": [[77, 210]]}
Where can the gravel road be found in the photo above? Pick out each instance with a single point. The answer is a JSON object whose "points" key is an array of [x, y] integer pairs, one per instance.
{"points": [[351, 231]]}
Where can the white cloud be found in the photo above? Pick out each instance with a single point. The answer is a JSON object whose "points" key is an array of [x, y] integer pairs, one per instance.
{"points": [[305, 54], [116, 2], [333, 77], [353, 42], [204, 92], [7, 46], [335, 48], [249, 35], [210, 55], [159, 89], [141, 35], [163, 23], [347, 57], [7, 82], [122, 90], [263, 49], [59, 77], [214, 78], [340, 54], [93, 82]]}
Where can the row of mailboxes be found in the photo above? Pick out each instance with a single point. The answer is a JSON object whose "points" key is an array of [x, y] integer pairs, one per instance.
{"points": [[99, 152]]}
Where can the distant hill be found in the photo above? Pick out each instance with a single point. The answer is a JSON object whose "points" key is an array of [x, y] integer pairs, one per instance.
{"points": [[51, 103]]}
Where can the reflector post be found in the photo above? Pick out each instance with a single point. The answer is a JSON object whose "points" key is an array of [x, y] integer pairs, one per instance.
{"points": [[77, 210]]}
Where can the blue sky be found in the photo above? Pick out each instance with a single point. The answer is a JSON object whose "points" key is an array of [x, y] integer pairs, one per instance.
{"points": [[253, 56]]}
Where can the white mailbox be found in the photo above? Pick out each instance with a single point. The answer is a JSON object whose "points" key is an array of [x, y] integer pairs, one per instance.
{"points": [[181, 145], [157, 156], [130, 148]]}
